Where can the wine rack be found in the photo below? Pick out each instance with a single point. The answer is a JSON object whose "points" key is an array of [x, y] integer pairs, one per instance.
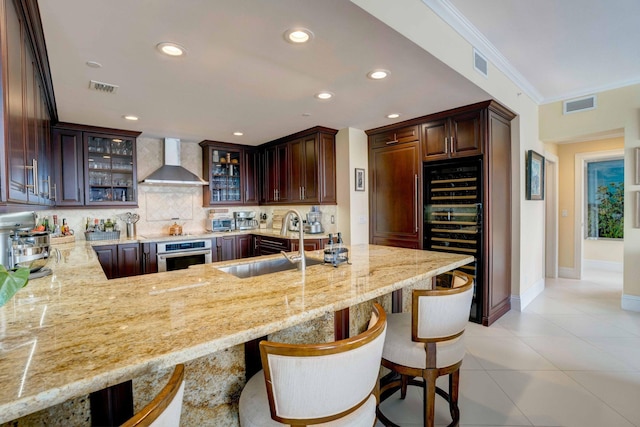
{"points": [[453, 217]]}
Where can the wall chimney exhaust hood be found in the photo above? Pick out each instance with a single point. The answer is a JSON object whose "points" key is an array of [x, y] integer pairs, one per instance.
{"points": [[171, 173]]}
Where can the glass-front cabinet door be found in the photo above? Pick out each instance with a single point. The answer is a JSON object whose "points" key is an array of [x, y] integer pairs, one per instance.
{"points": [[225, 176], [110, 170]]}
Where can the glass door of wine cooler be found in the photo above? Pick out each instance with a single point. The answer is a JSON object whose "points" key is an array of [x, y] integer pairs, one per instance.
{"points": [[453, 218]]}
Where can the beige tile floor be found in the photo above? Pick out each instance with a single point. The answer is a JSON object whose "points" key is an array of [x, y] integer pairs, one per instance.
{"points": [[571, 358]]}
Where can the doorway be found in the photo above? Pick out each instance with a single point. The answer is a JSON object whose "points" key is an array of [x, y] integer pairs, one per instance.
{"points": [[551, 216]]}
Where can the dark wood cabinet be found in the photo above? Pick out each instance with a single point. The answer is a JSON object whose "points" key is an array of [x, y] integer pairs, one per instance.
{"points": [[457, 136], [395, 136], [231, 173], [149, 258], [396, 152], [68, 153], [304, 169], [269, 245], [129, 260], [25, 107], [395, 197], [94, 166], [309, 244], [120, 260], [251, 174], [244, 247], [276, 174], [226, 248], [301, 168], [108, 258]]}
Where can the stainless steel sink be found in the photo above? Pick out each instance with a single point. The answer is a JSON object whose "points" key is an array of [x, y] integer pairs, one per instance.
{"points": [[258, 268]]}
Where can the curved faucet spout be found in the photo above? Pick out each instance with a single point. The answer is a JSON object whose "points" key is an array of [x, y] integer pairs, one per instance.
{"points": [[299, 259]]}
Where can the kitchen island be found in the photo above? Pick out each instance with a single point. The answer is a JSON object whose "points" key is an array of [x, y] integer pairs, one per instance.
{"points": [[76, 332]]}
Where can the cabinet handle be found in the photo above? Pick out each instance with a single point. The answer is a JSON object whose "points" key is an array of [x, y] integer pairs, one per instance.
{"points": [[395, 141], [446, 144], [55, 193], [451, 144], [416, 194], [304, 193], [34, 170]]}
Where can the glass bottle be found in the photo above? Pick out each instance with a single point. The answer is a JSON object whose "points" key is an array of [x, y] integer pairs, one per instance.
{"points": [[65, 227], [108, 225], [56, 228]]}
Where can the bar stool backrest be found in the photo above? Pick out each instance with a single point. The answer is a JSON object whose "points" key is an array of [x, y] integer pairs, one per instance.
{"points": [[441, 314], [314, 383]]}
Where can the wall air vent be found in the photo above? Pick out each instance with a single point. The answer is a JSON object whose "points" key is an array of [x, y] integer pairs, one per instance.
{"points": [[579, 104], [103, 87], [480, 63]]}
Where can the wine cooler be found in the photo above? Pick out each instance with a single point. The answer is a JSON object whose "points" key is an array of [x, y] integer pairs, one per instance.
{"points": [[453, 218]]}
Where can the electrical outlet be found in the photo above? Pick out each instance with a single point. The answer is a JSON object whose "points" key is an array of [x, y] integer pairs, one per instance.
{"points": [[362, 219], [333, 219], [565, 213]]}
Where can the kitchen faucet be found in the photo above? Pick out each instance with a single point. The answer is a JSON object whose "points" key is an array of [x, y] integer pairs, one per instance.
{"points": [[300, 259]]}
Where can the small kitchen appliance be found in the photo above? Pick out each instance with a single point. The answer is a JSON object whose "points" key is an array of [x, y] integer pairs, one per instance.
{"points": [[313, 225], [220, 224], [245, 220]]}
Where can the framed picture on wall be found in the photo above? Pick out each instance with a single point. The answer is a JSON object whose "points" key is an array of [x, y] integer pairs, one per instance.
{"points": [[535, 176], [359, 179]]}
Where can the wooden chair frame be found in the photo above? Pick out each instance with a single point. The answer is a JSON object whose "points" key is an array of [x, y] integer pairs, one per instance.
{"points": [[408, 375], [301, 350], [157, 406]]}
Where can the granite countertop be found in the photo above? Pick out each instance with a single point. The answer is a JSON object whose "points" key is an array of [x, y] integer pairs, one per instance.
{"points": [[76, 332], [269, 232]]}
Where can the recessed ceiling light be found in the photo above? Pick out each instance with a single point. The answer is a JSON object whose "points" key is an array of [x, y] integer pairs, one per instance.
{"points": [[393, 116], [298, 35], [238, 133], [130, 117], [171, 49], [378, 74], [93, 64], [324, 95]]}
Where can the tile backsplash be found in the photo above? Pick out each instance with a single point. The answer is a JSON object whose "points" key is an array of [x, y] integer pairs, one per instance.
{"points": [[158, 205]]}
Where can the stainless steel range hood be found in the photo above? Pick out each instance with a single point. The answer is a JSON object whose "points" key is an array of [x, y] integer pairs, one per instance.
{"points": [[171, 173]]}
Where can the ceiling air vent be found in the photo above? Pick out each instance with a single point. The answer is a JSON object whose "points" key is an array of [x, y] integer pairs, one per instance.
{"points": [[103, 87], [480, 63], [579, 104]]}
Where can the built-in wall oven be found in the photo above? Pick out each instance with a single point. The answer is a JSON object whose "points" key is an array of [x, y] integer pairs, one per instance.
{"points": [[179, 255]]}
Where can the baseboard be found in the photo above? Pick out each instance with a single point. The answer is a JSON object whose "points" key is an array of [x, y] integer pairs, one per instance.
{"points": [[568, 273], [597, 264], [519, 302], [630, 303]]}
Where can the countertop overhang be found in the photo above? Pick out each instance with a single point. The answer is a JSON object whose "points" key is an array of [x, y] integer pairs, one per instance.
{"points": [[76, 332]]}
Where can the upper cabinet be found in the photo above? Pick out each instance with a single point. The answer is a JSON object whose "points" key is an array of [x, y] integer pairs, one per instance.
{"points": [[301, 168], [395, 136], [230, 170], [94, 166], [27, 107], [456, 136]]}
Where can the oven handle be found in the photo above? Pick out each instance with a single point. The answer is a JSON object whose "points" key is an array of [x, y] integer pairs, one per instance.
{"points": [[177, 254]]}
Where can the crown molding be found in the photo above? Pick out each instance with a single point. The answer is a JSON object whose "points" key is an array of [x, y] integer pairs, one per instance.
{"points": [[594, 90], [452, 16]]}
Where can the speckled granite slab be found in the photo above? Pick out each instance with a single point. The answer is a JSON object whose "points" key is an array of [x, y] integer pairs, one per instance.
{"points": [[75, 332]]}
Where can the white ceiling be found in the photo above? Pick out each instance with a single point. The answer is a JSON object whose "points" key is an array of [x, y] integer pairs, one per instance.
{"points": [[240, 75], [563, 48]]}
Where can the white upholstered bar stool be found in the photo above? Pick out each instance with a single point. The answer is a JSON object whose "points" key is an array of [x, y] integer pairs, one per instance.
{"points": [[164, 410], [427, 343], [330, 384]]}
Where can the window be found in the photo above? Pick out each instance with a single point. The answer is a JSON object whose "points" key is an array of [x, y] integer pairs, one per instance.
{"points": [[605, 199]]}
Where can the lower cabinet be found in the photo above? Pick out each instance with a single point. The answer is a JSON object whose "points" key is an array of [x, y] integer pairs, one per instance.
{"points": [[264, 245], [309, 244], [120, 260], [149, 258], [108, 257], [233, 247]]}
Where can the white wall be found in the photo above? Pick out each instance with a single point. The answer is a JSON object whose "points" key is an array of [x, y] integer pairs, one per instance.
{"points": [[417, 22], [353, 206]]}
